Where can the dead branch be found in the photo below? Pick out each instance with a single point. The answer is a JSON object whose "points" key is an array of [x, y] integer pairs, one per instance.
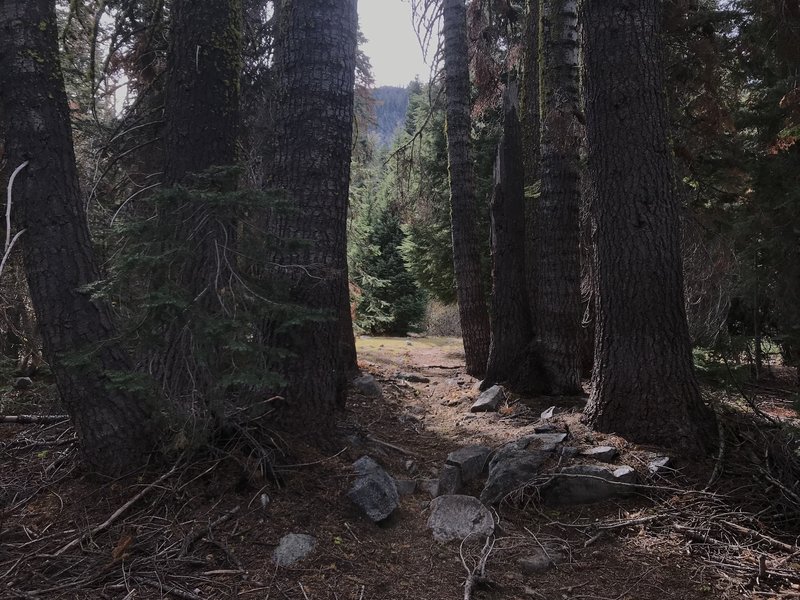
{"points": [[118, 513], [33, 419], [477, 575], [194, 536]]}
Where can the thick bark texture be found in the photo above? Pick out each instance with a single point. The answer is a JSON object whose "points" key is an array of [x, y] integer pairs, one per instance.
{"points": [[115, 427], [315, 66], [644, 385], [512, 330], [557, 292], [202, 115], [531, 133], [466, 255]]}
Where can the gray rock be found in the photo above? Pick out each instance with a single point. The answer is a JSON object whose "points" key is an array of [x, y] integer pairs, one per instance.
{"points": [[550, 413], [546, 442], [659, 465], [450, 481], [412, 377], [585, 484], [454, 518], [368, 386], [405, 487], [601, 453], [471, 461], [489, 400], [429, 485], [545, 428], [625, 474], [510, 469], [292, 548], [23, 383], [539, 562], [568, 452], [374, 490]]}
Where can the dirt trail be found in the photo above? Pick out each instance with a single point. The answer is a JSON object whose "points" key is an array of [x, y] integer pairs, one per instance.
{"points": [[409, 431]]}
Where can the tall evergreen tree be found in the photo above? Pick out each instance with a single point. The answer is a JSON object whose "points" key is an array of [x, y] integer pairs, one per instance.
{"points": [[115, 425], [466, 258], [315, 59], [644, 387]]}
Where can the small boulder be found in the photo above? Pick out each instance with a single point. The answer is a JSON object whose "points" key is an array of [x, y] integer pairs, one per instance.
{"points": [[405, 487], [509, 470], [568, 452], [659, 465], [369, 386], [471, 461], [601, 453], [431, 486], [23, 383], [455, 518], [539, 562], [489, 400], [292, 548], [546, 442], [585, 484], [374, 490], [450, 481]]}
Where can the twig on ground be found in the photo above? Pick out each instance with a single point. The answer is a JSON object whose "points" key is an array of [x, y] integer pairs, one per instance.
{"points": [[477, 575], [119, 512]]}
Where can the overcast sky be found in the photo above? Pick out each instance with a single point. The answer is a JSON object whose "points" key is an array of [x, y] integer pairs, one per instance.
{"points": [[392, 45]]}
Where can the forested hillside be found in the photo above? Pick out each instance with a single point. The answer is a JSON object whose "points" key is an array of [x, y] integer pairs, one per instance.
{"points": [[391, 104], [530, 329]]}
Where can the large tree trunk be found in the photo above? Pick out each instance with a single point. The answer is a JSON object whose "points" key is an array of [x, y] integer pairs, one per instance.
{"points": [[115, 426], [556, 304], [531, 135], [315, 67], [512, 330], [466, 254], [202, 115], [644, 385]]}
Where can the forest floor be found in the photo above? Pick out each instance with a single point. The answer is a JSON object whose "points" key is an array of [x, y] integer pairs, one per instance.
{"points": [[207, 530]]}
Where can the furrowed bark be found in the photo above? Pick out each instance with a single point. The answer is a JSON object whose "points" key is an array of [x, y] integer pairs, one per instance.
{"points": [[116, 427], [644, 387], [466, 254]]}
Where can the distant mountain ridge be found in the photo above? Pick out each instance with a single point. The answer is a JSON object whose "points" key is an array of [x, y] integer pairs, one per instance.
{"points": [[391, 104]]}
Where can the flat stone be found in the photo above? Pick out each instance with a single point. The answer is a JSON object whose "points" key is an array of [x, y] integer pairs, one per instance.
{"points": [[431, 486], [568, 452], [293, 548], [510, 469], [405, 487], [368, 386], [625, 474], [551, 412], [455, 518], [659, 465], [539, 562], [489, 400], [585, 484], [450, 481], [601, 453], [374, 490], [546, 442], [545, 428], [471, 461], [412, 377]]}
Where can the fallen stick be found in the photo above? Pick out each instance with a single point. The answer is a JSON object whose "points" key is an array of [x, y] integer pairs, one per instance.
{"points": [[119, 512], [193, 537], [33, 419], [764, 538], [392, 446]]}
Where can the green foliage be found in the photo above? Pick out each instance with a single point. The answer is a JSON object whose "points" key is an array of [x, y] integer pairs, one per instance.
{"points": [[221, 325], [388, 299]]}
